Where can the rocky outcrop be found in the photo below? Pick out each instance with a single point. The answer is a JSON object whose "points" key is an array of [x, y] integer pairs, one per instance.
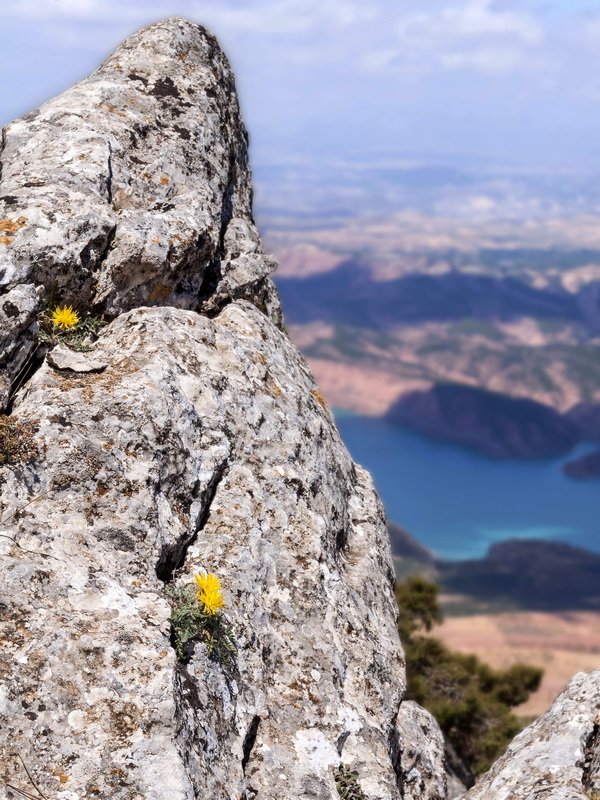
{"points": [[132, 188], [587, 466], [422, 757], [201, 446], [192, 437], [493, 424], [556, 758]]}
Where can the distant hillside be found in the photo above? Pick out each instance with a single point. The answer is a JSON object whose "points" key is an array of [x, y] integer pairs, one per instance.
{"points": [[533, 574], [515, 574], [491, 324], [491, 423], [586, 467], [405, 546], [348, 295]]}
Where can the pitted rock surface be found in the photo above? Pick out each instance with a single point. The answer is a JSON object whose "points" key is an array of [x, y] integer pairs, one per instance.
{"points": [[204, 444], [555, 758], [422, 757], [133, 187]]}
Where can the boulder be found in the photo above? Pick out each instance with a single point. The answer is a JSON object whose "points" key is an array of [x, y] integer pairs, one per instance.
{"points": [[555, 758], [423, 756]]}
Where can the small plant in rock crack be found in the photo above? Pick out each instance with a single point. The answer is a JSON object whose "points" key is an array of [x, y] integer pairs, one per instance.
{"points": [[197, 614], [347, 785], [279, 323], [64, 325]]}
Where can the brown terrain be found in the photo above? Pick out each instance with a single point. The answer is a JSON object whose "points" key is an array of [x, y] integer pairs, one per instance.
{"points": [[364, 362], [418, 357], [403, 242], [562, 643], [389, 310]]}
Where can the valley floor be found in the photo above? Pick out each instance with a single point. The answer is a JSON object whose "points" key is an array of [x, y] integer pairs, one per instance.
{"points": [[562, 643]]}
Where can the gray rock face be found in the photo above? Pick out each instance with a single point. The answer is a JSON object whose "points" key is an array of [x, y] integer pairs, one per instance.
{"points": [[555, 758], [203, 445], [133, 188], [192, 438], [423, 759], [18, 330]]}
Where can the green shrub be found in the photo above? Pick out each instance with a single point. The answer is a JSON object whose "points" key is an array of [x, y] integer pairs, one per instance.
{"points": [[347, 785], [471, 701]]}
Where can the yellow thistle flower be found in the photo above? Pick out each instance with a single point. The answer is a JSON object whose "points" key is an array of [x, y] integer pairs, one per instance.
{"points": [[64, 317], [210, 592]]}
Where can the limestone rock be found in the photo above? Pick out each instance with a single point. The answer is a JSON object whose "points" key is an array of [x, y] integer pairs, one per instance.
{"points": [[456, 789], [63, 358], [18, 330], [422, 756], [202, 445], [555, 758], [192, 438], [133, 188]]}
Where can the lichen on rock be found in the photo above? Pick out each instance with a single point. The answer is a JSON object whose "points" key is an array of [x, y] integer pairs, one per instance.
{"points": [[191, 440], [555, 758], [133, 187]]}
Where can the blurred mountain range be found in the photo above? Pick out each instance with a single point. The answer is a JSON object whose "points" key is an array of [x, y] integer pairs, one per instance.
{"points": [[411, 275]]}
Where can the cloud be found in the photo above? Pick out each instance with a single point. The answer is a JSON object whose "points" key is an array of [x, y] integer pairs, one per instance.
{"points": [[477, 35], [493, 61], [353, 36], [338, 69], [478, 18]]}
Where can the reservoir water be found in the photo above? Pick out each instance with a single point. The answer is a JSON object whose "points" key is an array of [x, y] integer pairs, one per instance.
{"points": [[457, 503]]}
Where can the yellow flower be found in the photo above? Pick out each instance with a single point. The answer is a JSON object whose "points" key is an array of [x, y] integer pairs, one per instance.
{"points": [[210, 592], [64, 317]]}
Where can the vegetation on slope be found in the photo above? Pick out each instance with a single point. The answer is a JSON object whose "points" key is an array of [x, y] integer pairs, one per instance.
{"points": [[471, 701]]}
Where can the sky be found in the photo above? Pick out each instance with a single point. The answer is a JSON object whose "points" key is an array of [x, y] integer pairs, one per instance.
{"points": [[493, 79]]}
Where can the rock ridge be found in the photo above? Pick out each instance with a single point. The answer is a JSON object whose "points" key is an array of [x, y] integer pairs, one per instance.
{"points": [[132, 188], [191, 438]]}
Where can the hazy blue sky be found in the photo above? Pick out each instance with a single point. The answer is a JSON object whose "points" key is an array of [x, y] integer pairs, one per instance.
{"points": [[504, 78]]}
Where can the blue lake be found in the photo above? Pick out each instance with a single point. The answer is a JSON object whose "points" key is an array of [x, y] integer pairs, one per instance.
{"points": [[457, 503]]}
